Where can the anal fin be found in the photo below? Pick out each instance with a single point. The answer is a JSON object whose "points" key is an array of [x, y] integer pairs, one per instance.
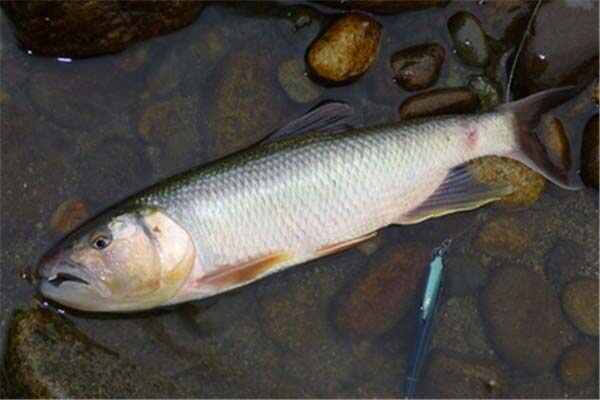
{"points": [[458, 192]]}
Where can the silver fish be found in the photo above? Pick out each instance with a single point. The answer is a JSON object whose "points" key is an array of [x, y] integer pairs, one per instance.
{"points": [[283, 203]]}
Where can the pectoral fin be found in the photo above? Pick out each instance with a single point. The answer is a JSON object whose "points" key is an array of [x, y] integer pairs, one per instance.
{"points": [[237, 275], [458, 192]]}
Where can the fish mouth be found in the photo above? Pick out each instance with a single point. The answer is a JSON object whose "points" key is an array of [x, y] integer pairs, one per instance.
{"points": [[64, 272], [59, 278]]}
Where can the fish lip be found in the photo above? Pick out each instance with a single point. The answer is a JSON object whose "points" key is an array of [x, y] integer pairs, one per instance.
{"points": [[68, 271]]}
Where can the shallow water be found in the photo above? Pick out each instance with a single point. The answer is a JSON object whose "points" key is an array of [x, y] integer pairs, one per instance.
{"points": [[97, 130]]}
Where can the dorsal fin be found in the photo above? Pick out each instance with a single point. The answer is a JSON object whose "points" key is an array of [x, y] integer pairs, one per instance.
{"points": [[328, 117]]}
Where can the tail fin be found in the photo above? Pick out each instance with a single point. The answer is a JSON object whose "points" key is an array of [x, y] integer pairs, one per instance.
{"points": [[529, 150]]}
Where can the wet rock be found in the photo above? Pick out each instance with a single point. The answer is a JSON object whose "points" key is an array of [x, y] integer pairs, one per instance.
{"points": [[528, 185], [85, 97], [47, 357], [131, 61], [296, 83], [69, 215], [88, 28], [580, 303], [301, 25], [15, 70], [503, 237], [543, 386], [563, 48], [346, 50], [439, 102], [578, 364], [589, 150], [377, 301], [211, 47], [459, 328], [523, 318], [486, 90], [504, 19], [464, 275], [165, 75], [555, 139], [450, 376], [128, 170], [247, 105], [561, 263], [469, 39], [171, 128], [418, 67], [294, 316], [386, 6]]}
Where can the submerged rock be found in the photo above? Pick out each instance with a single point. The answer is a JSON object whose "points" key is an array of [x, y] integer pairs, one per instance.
{"points": [[523, 318], [459, 328], [296, 83], [171, 130], [69, 215], [562, 263], [527, 184], [379, 299], [486, 90], [469, 39], [88, 28], [465, 275], [451, 376], [563, 48], [580, 303], [555, 140], [346, 50], [579, 364], [503, 237], [47, 357], [439, 102], [248, 105], [589, 156], [385, 6], [418, 67]]}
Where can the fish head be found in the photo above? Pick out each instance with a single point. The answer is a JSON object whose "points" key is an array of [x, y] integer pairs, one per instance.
{"points": [[128, 261]]}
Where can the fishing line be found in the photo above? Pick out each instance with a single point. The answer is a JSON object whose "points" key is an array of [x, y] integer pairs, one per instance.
{"points": [[520, 50]]}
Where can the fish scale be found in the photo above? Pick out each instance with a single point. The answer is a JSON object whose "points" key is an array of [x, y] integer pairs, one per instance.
{"points": [[303, 194]]}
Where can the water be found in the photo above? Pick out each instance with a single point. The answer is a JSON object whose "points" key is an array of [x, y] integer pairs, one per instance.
{"points": [[90, 132]]}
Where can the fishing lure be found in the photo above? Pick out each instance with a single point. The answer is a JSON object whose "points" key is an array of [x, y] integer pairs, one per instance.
{"points": [[429, 304]]}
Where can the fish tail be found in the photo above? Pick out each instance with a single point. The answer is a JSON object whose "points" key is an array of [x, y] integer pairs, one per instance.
{"points": [[528, 149]]}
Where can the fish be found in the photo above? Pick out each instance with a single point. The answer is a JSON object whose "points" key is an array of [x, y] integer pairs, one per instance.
{"points": [[311, 189]]}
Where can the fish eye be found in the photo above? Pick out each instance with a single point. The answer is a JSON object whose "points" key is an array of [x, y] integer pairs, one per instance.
{"points": [[100, 242]]}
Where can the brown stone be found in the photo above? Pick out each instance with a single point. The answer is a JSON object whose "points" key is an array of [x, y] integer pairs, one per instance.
{"points": [[92, 27], [346, 50], [523, 318], [380, 299], [439, 102], [386, 6], [418, 67], [580, 303], [589, 153], [578, 364], [69, 215]]}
